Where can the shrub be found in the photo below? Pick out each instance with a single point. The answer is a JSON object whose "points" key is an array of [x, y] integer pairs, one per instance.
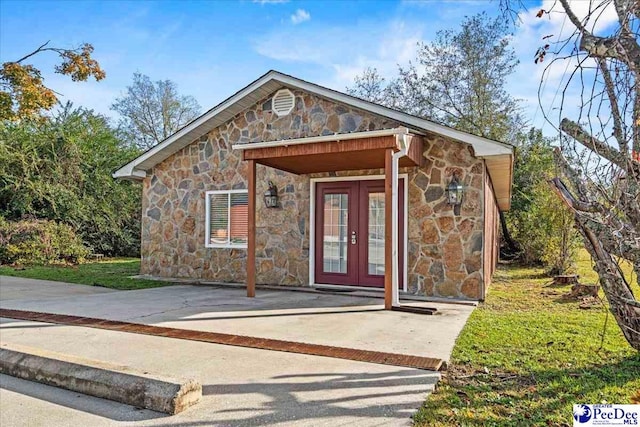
{"points": [[541, 224], [59, 169], [32, 241], [546, 232]]}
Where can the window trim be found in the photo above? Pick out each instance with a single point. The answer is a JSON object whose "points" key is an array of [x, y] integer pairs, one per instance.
{"points": [[207, 226]]}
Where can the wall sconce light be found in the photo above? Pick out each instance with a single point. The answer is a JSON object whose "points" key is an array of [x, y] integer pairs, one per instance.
{"points": [[455, 192], [271, 196]]}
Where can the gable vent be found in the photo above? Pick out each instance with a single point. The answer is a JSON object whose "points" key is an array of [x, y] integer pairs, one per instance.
{"points": [[283, 102]]}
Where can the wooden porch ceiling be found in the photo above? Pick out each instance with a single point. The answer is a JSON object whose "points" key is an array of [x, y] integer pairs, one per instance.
{"points": [[329, 156]]}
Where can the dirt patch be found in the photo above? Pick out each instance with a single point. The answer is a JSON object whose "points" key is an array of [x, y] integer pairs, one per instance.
{"points": [[503, 382]]}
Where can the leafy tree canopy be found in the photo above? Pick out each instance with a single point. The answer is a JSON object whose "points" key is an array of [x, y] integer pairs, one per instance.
{"points": [[23, 94]]}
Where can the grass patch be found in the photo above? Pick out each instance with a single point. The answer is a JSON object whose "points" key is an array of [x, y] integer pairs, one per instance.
{"points": [[111, 273], [526, 356]]}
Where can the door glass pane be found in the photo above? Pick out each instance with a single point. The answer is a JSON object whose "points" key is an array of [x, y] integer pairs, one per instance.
{"points": [[375, 238], [335, 233]]}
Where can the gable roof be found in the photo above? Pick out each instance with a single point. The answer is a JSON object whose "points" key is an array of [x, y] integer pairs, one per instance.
{"points": [[274, 80]]}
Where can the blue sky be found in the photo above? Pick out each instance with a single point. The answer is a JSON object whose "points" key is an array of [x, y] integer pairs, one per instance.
{"points": [[211, 49]]}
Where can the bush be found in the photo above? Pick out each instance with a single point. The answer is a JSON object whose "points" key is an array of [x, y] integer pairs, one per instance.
{"points": [[59, 169], [32, 241], [541, 224], [546, 232]]}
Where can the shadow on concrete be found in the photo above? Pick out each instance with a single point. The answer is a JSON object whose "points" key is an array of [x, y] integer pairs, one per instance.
{"points": [[80, 402], [292, 400]]}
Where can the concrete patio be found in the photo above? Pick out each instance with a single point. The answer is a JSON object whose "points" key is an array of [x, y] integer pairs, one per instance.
{"points": [[329, 319], [241, 386]]}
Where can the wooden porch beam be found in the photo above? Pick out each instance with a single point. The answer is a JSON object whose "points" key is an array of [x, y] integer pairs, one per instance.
{"points": [[415, 150], [251, 238], [388, 224], [322, 148]]}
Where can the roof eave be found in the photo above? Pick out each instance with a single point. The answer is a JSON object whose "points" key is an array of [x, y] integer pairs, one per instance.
{"points": [[130, 173], [482, 146]]}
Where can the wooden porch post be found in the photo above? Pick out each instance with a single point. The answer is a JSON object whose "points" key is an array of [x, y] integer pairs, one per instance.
{"points": [[251, 238], [388, 224]]}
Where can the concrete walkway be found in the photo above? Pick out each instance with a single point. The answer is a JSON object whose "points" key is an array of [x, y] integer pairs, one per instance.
{"points": [[241, 386]]}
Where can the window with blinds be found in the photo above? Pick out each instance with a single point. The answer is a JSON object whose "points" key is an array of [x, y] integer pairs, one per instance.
{"points": [[227, 218]]}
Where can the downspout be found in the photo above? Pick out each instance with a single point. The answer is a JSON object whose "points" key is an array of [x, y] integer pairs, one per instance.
{"points": [[394, 218], [484, 230]]}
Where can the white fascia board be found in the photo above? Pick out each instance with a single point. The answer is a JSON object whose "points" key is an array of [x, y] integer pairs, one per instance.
{"points": [[322, 138]]}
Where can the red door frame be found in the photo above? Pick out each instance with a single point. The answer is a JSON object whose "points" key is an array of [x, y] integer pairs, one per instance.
{"points": [[358, 210]]}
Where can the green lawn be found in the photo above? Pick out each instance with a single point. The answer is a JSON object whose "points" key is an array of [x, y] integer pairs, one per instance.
{"points": [[526, 356], [111, 273]]}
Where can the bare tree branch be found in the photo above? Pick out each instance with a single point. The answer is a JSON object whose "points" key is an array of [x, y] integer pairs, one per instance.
{"points": [[615, 110], [38, 50], [576, 131]]}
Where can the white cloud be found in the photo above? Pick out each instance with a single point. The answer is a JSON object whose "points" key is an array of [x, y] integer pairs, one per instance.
{"points": [[334, 55], [339, 49], [300, 16], [396, 47]]}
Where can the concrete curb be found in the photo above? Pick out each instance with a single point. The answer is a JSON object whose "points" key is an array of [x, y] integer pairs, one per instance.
{"points": [[99, 379]]}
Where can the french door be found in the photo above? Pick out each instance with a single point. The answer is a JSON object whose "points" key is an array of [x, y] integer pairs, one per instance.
{"points": [[349, 234]]}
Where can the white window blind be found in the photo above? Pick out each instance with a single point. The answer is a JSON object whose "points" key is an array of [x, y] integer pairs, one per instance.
{"points": [[227, 218]]}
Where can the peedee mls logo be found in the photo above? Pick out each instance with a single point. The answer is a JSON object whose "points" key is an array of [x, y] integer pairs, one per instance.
{"points": [[606, 415], [582, 413]]}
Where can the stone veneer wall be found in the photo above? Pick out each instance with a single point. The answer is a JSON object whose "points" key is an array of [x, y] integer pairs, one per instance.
{"points": [[445, 251]]}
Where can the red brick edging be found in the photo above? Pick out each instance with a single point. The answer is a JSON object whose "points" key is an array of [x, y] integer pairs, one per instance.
{"points": [[404, 360]]}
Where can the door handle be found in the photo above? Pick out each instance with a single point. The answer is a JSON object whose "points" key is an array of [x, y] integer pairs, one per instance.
{"points": [[354, 238]]}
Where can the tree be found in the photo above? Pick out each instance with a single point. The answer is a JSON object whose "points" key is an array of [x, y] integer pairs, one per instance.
{"points": [[370, 86], [599, 157], [458, 80], [60, 169], [23, 94], [150, 112], [541, 223], [461, 79]]}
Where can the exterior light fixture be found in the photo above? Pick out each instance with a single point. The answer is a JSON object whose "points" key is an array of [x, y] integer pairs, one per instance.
{"points": [[271, 196], [455, 193]]}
